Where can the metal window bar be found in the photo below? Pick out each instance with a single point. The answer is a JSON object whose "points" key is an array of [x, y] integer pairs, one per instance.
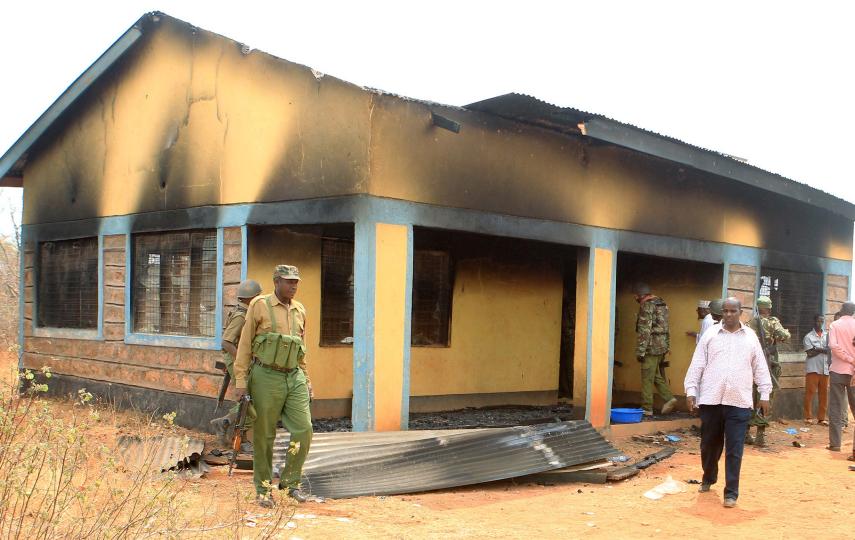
{"points": [[431, 298], [68, 284], [336, 292], [175, 283], [796, 300]]}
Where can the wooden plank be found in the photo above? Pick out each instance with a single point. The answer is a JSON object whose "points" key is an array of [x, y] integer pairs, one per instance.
{"points": [[792, 382], [553, 478], [792, 369], [622, 473]]}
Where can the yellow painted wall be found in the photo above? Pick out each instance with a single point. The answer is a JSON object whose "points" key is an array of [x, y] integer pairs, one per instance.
{"points": [[527, 171], [389, 317], [681, 284], [189, 120], [330, 368], [505, 331]]}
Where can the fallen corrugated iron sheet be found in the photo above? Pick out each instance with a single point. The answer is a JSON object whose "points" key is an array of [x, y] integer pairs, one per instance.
{"points": [[418, 461], [163, 454]]}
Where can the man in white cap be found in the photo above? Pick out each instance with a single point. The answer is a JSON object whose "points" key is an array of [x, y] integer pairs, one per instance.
{"points": [[705, 318]]}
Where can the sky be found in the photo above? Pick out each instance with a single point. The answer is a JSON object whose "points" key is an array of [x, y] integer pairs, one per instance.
{"points": [[766, 81]]}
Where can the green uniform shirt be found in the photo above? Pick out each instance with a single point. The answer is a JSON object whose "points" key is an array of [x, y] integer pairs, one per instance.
{"points": [[773, 331], [258, 322]]}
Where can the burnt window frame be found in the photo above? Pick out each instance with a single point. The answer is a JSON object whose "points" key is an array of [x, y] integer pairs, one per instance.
{"points": [[135, 337], [322, 342], [41, 330], [779, 297], [449, 296]]}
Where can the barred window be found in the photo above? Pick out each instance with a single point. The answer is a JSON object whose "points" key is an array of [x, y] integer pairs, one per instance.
{"points": [[336, 292], [796, 299], [431, 298], [175, 283], [68, 284]]}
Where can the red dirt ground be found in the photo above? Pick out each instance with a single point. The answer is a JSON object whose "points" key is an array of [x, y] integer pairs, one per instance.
{"points": [[786, 492]]}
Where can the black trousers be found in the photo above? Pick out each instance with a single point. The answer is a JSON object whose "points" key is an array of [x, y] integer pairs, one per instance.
{"points": [[723, 428]]}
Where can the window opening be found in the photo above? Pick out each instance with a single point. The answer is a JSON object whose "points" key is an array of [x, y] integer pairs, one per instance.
{"points": [[68, 284], [175, 283]]}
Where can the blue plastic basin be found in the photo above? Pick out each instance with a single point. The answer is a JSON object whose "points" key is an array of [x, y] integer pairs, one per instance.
{"points": [[626, 416]]}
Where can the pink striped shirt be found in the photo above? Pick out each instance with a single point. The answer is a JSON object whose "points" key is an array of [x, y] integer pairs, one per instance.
{"points": [[840, 337], [725, 365]]}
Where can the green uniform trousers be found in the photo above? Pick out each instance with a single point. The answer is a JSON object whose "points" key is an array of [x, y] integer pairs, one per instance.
{"points": [[276, 395], [650, 377], [775, 372]]}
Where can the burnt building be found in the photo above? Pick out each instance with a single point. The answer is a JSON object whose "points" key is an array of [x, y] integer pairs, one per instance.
{"points": [[451, 256]]}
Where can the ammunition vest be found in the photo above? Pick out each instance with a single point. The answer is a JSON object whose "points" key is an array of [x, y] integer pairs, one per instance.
{"points": [[283, 351]]}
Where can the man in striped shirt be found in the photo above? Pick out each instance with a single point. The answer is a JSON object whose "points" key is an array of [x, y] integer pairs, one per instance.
{"points": [[727, 361]]}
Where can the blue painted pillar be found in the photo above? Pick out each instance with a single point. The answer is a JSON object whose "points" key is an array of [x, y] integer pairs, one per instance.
{"points": [[383, 262]]}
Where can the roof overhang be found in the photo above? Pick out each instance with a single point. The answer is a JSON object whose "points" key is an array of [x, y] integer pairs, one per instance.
{"points": [[529, 110], [13, 161]]}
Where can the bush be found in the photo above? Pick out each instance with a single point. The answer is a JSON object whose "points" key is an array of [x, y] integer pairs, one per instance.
{"points": [[56, 481]]}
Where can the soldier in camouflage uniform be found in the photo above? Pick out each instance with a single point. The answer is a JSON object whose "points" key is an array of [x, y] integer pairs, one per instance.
{"points": [[247, 290], [770, 332], [654, 342]]}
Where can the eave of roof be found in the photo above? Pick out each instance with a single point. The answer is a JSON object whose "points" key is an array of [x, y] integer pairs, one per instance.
{"points": [[12, 162], [530, 110]]}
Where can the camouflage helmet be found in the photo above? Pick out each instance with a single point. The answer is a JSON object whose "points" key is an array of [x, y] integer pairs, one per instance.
{"points": [[641, 289], [286, 271], [764, 301], [248, 288], [717, 307]]}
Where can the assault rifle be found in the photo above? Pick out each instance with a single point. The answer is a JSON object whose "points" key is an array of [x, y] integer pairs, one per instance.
{"points": [[240, 430], [227, 378]]}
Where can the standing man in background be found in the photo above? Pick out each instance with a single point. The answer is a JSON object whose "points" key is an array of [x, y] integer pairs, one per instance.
{"points": [[726, 362], [816, 371], [771, 332], [841, 341], [705, 318], [247, 291], [654, 342]]}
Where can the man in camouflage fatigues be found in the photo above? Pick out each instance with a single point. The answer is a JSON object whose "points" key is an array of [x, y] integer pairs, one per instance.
{"points": [[770, 332], [654, 342], [247, 290]]}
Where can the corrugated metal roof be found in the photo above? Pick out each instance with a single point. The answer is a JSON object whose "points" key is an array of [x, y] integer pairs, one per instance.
{"points": [[161, 453], [415, 462], [567, 120]]}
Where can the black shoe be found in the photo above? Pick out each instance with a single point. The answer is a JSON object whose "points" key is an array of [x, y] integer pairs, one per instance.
{"points": [[704, 488], [264, 501], [246, 447], [297, 495]]}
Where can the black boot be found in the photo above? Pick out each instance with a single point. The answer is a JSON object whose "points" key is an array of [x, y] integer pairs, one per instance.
{"points": [[297, 495]]}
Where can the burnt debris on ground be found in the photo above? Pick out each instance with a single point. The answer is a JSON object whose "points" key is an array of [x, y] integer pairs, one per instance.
{"points": [[468, 418]]}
